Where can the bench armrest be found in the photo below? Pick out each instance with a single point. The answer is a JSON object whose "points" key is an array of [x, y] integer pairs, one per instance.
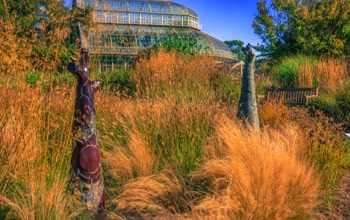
{"points": [[260, 98], [308, 97]]}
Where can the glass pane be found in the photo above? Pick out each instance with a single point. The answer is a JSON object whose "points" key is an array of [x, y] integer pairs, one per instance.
{"points": [[98, 16], [123, 17], [111, 17], [167, 19], [156, 19], [145, 19], [134, 18]]}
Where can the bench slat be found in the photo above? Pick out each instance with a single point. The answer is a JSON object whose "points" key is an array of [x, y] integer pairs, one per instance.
{"points": [[291, 96]]}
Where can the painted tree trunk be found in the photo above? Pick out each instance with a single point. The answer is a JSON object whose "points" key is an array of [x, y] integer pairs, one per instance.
{"points": [[247, 106], [86, 172]]}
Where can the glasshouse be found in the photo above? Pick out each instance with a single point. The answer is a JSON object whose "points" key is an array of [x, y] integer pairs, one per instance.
{"points": [[123, 28]]}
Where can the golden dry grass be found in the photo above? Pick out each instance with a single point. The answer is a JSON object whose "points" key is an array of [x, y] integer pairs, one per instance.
{"points": [[260, 177], [332, 74], [34, 147], [14, 51], [172, 152], [273, 114], [329, 74], [164, 71]]}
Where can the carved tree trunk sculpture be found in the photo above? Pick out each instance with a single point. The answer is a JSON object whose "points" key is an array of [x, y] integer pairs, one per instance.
{"points": [[247, 106], [86, 172]]}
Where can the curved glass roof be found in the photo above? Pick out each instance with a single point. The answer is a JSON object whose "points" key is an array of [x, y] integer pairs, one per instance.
{"points": [[125, 27], [216, 47], [145, 6], [131, 39]]}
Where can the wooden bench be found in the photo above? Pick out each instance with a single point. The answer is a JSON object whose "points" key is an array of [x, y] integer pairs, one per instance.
{"points": [[291, 96]]}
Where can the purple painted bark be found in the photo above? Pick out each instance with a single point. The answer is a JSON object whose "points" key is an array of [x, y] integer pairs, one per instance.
{"points": [[86, 172]]}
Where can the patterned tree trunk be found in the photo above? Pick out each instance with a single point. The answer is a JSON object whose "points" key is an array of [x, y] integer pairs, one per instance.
{"points": [[86, 172], [247, 106]]}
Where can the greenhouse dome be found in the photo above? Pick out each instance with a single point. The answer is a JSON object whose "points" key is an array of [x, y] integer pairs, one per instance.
{"points": [[122, 28]]}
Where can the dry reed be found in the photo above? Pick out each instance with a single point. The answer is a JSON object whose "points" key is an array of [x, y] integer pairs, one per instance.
{"points": [[172, 71], [329, 74], [170, 154], [332, 74], [261, 177], [35, 142]]}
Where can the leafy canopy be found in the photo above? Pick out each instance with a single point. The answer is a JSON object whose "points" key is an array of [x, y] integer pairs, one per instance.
{"points": [[313, 27], [236, 48], [180, 43], [41, 34]]}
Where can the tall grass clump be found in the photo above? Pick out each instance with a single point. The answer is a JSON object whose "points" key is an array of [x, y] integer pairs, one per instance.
{"points": [[329, 74], [259, 177], [159, 135], [332, 74], [325, 141], [296, 71], [170, 147], [249, 177], [165, 72], [35, 143], [174, 74]]}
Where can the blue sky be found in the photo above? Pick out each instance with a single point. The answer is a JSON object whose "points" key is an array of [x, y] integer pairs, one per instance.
{"points": [[224, 19]]}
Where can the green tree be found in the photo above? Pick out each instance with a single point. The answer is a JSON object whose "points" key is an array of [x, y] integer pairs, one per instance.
{"points": [[23, 11], [236, 48], [180, 43], [314, 27], [45, 28]]}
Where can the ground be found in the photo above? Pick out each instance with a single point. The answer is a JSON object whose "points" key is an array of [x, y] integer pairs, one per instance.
{"points": [[342, 205]]}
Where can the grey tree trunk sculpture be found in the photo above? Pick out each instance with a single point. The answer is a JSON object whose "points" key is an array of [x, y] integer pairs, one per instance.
{"points": [[247, 106], [86, 172]]}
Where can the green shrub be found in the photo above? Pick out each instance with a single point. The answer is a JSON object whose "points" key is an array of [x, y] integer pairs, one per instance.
{"points": [[180, 43], [327, 104], [32, 78], [343, 101], [335, 105], [119, 81], [225, 88], [291, 72]]}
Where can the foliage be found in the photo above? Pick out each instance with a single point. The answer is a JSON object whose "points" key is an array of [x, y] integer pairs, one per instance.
{"points": [[169, 150], [308, 71], [336, 105], [325, 141], [24, 11], [40, 38], [180, 43], [296, 71], [308, 27], [32, 78], [236, 48], [119, 81], [327, 147], [273, 114]]}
